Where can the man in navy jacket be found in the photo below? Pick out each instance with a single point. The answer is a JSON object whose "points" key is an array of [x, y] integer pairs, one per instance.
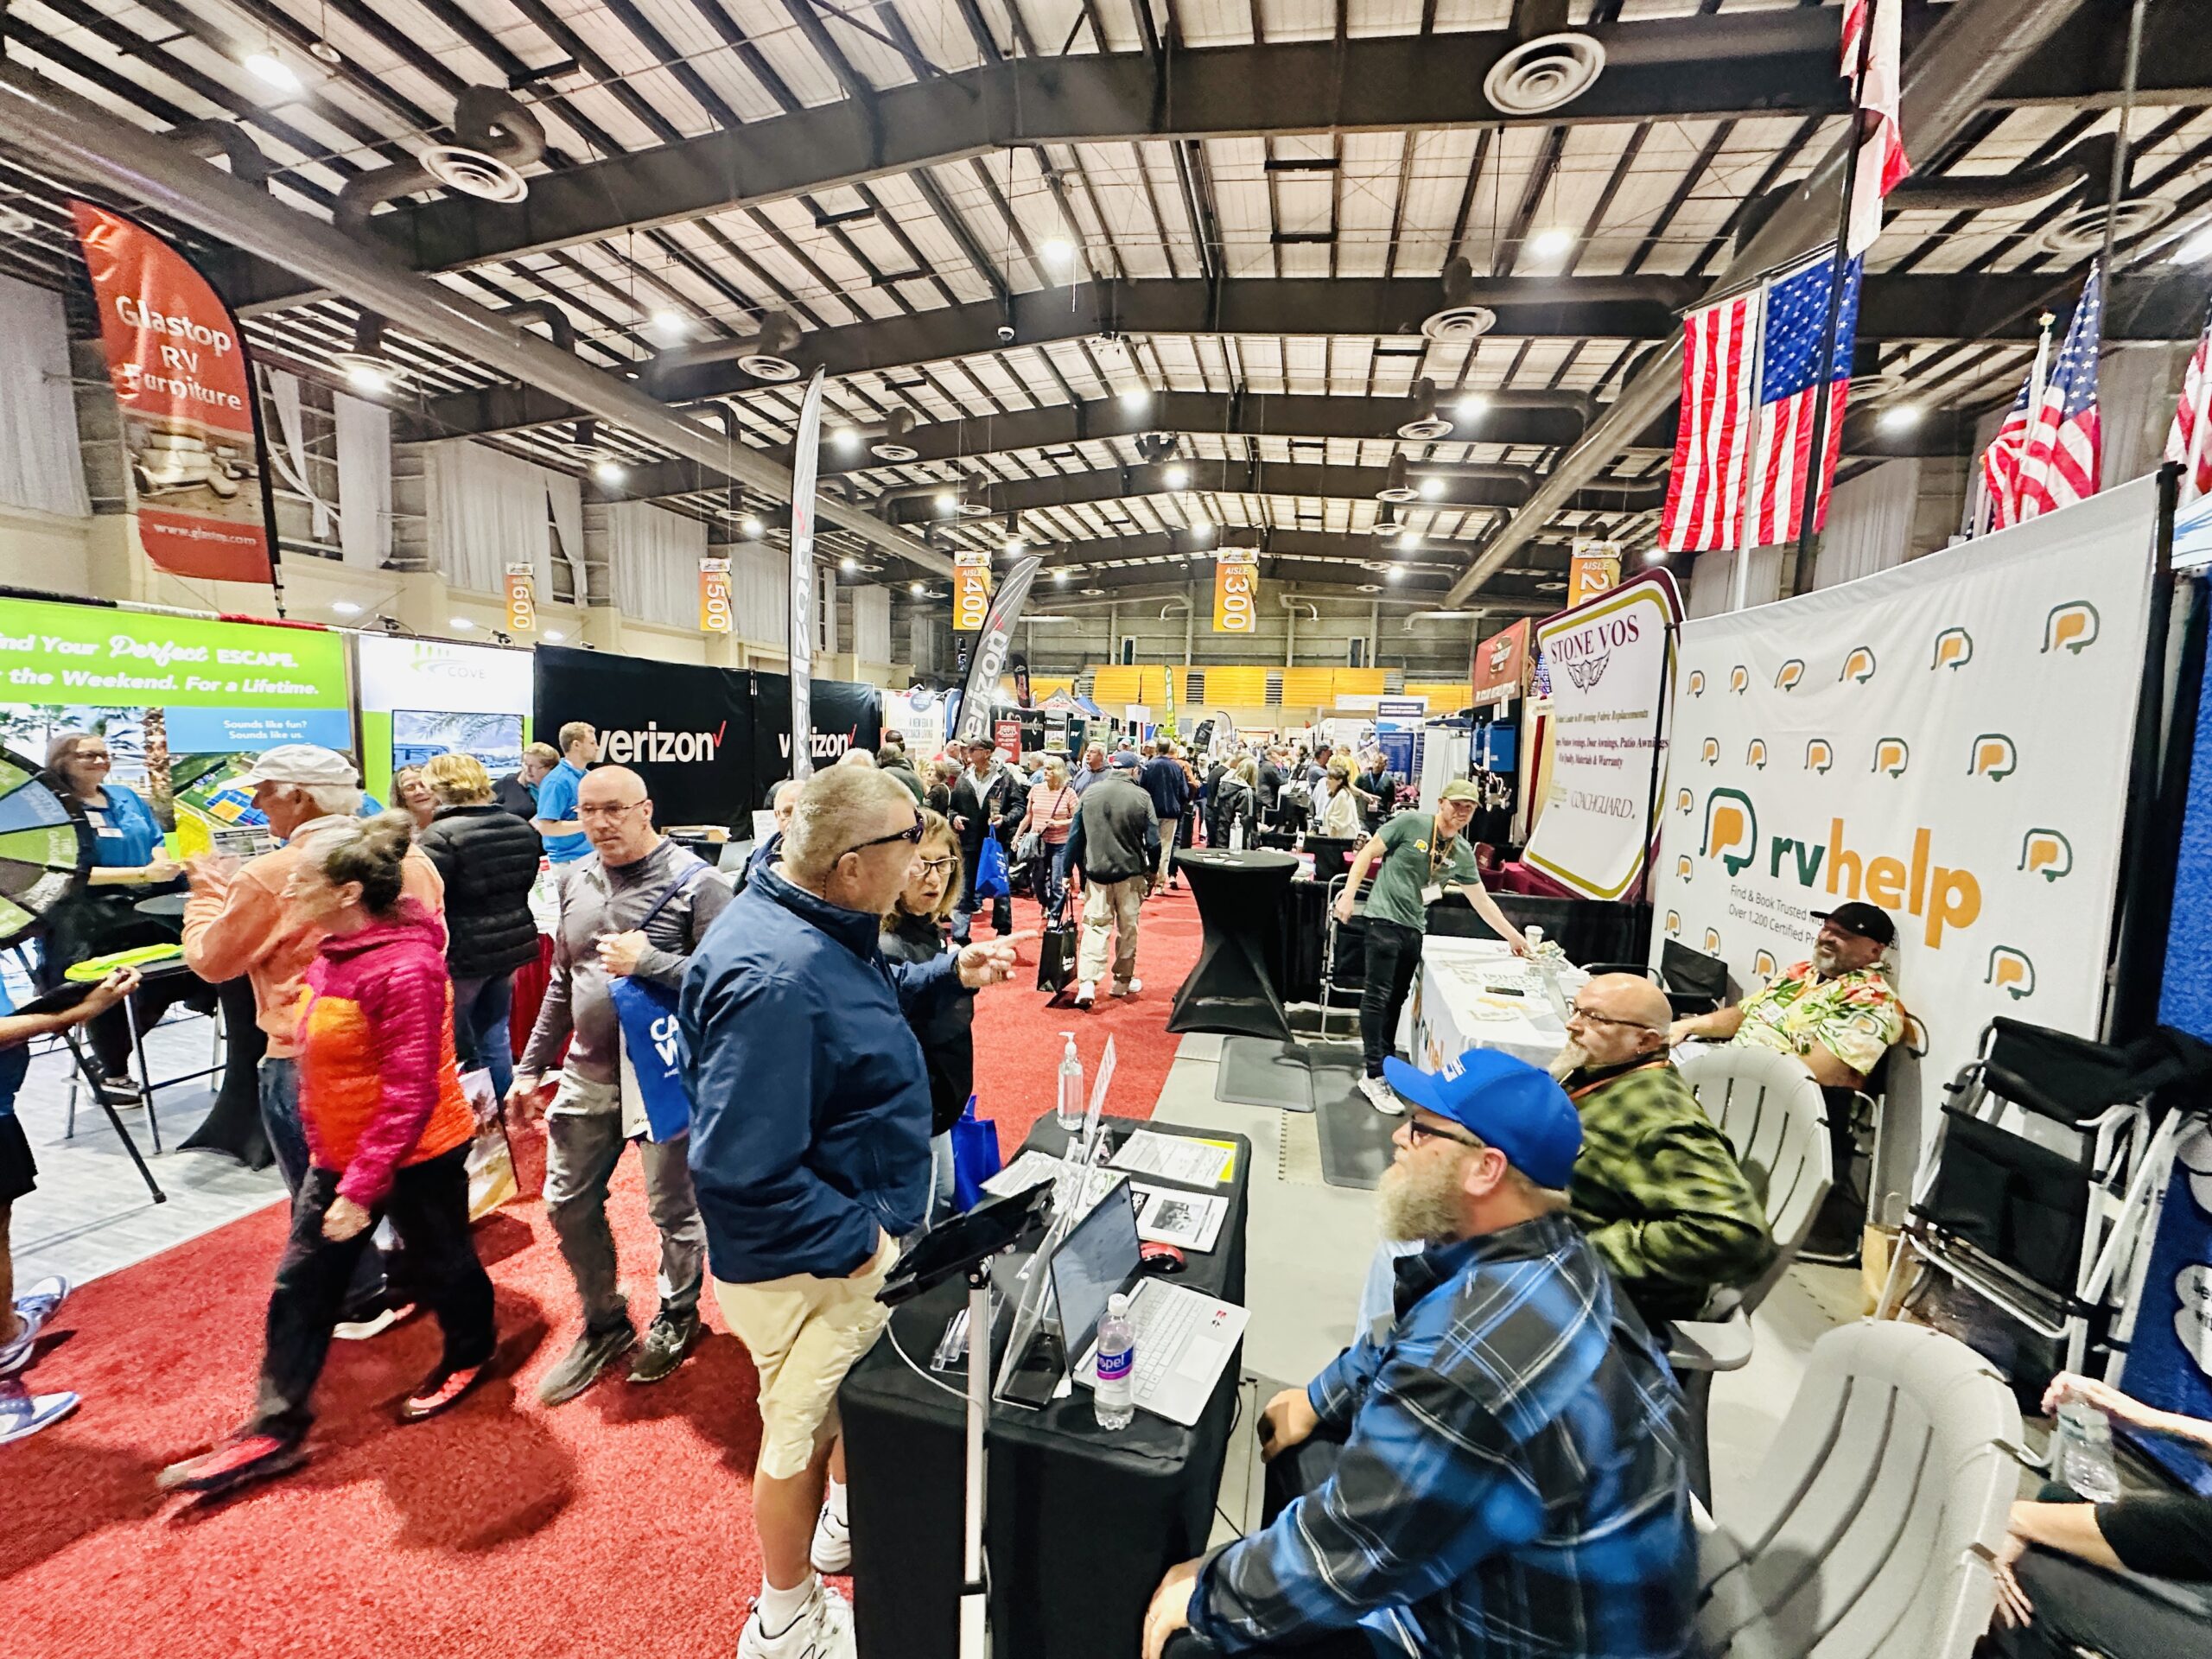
{"points": [[809, 1151]]}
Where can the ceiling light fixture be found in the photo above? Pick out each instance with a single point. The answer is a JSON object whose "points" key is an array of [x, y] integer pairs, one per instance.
{"points": [[1552, 244], [1471, 407], [917, 589], [752, 528], [948, 501], [1202, 529], [1394, 572], [846, 439], [1058, 250], [345, 608], [2195, 250], [554, 636], [1431, 488], [1179, 476], [1059, 575], [609, 472], [272, 71], [1901, 418], [1135, 400], [1408, 540], [1014, 547], [849, 564], [668, 327], [461, 625], [367, 380]]}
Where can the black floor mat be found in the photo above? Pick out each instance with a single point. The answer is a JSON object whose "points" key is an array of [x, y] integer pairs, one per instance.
{"points": [[1355, 1138], [1255, 1072]]}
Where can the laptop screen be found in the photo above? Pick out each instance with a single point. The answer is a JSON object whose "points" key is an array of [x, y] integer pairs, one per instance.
{"points": [[1095, 1260]]}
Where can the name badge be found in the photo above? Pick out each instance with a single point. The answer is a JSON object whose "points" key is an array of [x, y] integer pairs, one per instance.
{"points": [[107, 829], [1432, 893]]}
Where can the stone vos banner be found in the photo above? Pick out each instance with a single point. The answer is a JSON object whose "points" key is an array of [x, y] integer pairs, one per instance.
{"points": [[1609, 660], [190, 428], [1950, 740]]}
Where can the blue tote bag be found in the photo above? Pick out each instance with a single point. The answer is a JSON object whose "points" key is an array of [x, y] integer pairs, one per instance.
{"points": [[976, 1156], [990, 871], [653, 1041]]}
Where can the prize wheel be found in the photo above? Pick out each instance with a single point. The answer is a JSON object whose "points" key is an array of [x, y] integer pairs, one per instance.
{"points": [[46, 848]]}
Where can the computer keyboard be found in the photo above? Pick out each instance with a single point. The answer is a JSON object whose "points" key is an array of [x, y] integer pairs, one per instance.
{"points": [[1163, 1325]]}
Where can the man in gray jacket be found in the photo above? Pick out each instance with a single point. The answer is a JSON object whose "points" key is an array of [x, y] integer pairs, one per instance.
{"points": [[1115, 841], [637, 904]]}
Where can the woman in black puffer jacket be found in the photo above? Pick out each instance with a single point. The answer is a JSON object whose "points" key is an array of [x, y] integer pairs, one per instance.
{"points": [[488, 857], [915, 930]]}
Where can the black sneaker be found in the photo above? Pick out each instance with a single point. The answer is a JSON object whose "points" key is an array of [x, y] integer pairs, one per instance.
{"points": [[667, 1339], [580, 1367]]}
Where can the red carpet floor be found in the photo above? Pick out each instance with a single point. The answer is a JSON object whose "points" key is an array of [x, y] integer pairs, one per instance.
{"points": [[618, 1525]]}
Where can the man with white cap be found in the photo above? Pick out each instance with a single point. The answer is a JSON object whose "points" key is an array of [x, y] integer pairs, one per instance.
{"points": [[239, 919]]}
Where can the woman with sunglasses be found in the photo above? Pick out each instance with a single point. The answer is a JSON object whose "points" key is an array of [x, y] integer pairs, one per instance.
{"points": [[914, 930]]}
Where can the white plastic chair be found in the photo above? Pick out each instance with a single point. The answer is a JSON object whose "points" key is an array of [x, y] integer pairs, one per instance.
{"points": [[1878, 1512]]}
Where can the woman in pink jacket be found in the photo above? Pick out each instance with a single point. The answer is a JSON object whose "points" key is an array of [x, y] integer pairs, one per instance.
{"points": [[388, 1133]]}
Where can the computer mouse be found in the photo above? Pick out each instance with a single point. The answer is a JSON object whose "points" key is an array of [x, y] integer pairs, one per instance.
{"points": [[1161, 1259]]}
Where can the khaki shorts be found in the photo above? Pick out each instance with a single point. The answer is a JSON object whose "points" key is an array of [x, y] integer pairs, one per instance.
{"points": [[804, 1333]]}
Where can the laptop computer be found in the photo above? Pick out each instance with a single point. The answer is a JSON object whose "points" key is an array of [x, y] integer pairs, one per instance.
{"points": [[1184, 1339]]}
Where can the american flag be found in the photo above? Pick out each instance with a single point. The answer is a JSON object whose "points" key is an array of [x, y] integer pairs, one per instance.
{"points": [[2189, 442], [1882, 160], [1744, 444], [2000, 462], [2058, 456]]}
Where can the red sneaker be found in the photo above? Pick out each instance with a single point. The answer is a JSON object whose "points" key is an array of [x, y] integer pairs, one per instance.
{"points": [[442, 1391], [248, 1455]]}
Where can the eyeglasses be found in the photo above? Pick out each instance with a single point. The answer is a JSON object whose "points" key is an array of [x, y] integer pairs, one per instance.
{"points": [[1578, 1011], [1417, 1132], [912, 834], [609, 809], [936, 865]]}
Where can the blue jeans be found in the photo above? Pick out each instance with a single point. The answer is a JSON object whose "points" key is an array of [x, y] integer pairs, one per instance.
{"points": [[480, 1032]]}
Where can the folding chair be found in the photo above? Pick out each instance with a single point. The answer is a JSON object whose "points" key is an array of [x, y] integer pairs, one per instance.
{"points": [[1694, 982], [1878, 1513], [2044, 1176]]}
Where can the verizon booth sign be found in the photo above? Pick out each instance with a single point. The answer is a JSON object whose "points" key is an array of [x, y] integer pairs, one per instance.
{"points": [[1608, 661], [1950, 740]]}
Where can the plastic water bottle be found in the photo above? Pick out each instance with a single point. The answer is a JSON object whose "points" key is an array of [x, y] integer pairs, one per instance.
{"points": [[2081, 1451], [1118, 1360], [1069, 1108]]}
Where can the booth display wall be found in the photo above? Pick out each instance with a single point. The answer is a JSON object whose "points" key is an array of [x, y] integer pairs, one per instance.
{"points": [[183, 701], [1950, 740], [421, 697]]}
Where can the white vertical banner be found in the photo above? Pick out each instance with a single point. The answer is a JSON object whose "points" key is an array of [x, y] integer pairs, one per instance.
{"points": [[1950, 740], [1610, 662], [990, 661], [803, 464]]}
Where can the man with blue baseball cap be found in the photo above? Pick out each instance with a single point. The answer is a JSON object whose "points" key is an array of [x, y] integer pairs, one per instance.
{"points": [[1501, 1472]]}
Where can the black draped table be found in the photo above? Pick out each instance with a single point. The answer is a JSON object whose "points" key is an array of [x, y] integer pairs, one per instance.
{"points": [[1235, 988], [1080, 1523]]}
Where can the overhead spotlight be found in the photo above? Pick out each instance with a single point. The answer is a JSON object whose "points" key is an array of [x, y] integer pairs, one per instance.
{"points": [[1408, 540], [272, 71], [1553, 242], [917, 589], [668, 327], [368, 368], [1394, 572], [609, 472], [846, 439], [1473, 406], [2195, 250], [1014, 547], [1057, 250], [367, 380], [461, 625], [948, 501], [345, 608], [753, 527], [1431, 488], [1655, 555], [1202, 529], [326, 52], [849, 564], [1136, 400], [1059, 575], [1901, 418], [1179, 476], [554, 636]]}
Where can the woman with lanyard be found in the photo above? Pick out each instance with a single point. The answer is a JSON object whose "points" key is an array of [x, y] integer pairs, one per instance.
{"points": [[130, 862], [1053, 802]]}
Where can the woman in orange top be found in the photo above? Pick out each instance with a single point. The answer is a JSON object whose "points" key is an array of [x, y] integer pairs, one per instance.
{"points": [[388, 1130]]}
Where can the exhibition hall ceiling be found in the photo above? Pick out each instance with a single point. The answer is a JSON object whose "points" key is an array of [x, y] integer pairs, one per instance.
{"points": [[1130, 279]]}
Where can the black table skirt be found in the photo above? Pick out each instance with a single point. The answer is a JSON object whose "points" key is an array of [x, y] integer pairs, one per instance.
{"points": [[1081, 1524], [1236, 986]]}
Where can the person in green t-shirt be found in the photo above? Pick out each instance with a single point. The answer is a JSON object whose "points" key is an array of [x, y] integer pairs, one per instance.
{"points": [[1422, 854]]}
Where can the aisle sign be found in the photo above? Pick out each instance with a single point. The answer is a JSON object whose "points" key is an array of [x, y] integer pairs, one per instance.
{"points": [[1594, 569], [714, 596], [1609, 664], [1006, 737], [1893, 739], [1237, 590], [971, 588], [522, 599], [1501, 661]]}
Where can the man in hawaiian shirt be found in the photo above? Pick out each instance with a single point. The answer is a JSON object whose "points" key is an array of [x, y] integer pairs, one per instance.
{"points": [[1837, 1012]]}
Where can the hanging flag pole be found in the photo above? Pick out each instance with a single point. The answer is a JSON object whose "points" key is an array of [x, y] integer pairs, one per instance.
{"points": [[1817, 461], [806, 458]]}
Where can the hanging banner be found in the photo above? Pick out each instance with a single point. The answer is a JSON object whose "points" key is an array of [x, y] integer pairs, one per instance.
{"points": [[714, 596], [1237, 590], [522, 599], [1500, 663], [971, 588], [803, 464], [1611, 661], [1891, 739], [989, 660], [195, 470], [1595, 568]]}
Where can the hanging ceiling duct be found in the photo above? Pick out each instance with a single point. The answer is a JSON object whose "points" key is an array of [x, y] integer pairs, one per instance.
{"points": [[498, 136], [558, 328], [1395, 486], [208, 139], [1426, 423], [765, 354], [1461, 319]]}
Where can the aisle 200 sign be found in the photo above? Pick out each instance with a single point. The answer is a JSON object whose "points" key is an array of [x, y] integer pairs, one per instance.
{"points": [[1237, 590]]}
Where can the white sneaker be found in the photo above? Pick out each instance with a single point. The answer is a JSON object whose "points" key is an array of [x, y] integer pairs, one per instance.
{"points": [[823, 1629], [832, 1550], [1381, 1098], [1130, 990], [1086, 994]]}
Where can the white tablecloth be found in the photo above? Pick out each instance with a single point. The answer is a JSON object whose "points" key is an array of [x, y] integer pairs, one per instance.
{"points": [[1453, 1011]]}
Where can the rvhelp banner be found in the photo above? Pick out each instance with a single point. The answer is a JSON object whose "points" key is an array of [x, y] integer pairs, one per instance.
{"points": [[191, 427], [1609, 660], [1950, 740]]}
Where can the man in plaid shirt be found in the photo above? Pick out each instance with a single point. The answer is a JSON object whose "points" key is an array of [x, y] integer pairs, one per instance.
{"points": [[1501, 1477]]}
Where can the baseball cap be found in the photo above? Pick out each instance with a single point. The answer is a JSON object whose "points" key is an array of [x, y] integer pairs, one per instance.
{"points": [[1867, 921], [299, 763], [1460, 790], [1126, 759], [1510, 1104]]}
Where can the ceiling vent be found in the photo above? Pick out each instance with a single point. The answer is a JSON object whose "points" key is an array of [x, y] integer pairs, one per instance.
{"points": [[1541, 75], [1461, 319], [898, 427], [1395, 485], [2083, 229], [767, 355], [1424, 425], [473, 173]]}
